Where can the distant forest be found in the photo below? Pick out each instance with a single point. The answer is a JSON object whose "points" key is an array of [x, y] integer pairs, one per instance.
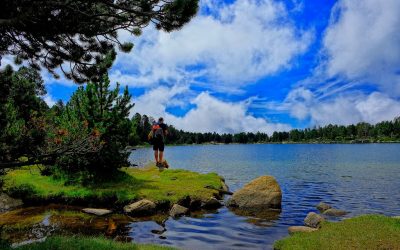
{"points": [[385, 131]]}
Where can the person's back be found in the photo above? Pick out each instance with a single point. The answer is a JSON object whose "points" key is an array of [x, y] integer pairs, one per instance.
{"points": [[160, 131]]}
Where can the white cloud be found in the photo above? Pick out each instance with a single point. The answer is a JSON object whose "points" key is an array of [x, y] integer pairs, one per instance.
{"points": [[349, 108], [362, 43], [49, 100], [209, 114], [235, 45], [358, 78]]}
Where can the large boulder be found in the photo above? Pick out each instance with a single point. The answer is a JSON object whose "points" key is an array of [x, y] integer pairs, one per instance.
{"points": [[142, 207], [261, 193], [7, 203], [178, 210], [301, 229], [97, 211], [334, 212], [313, 220]]}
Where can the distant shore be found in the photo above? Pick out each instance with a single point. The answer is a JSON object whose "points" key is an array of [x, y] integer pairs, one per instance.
{"points": [[284, 142]]}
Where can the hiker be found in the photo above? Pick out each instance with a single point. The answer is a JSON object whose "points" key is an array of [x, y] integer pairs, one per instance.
{"points": [[159, 132]]}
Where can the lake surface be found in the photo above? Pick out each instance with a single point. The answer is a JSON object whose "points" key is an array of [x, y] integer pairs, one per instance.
{"points": [[359, 178]]}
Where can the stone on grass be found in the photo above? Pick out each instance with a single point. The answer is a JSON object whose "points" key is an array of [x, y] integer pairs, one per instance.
{"points": [[322, 206], [261, 193], [7, 203], [296, 229], [313, 220], [178, 210], [142, 207], [211, 203], [97, 211], [334, 212]]}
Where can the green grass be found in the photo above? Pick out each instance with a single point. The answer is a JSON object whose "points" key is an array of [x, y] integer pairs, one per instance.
{"points": [[85, 243], [363, 232], [132, 184]]}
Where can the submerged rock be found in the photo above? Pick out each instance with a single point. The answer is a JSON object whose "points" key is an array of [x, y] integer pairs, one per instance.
{"points": [[334, 212], [322, 206], [142, 207], [313, 220], [261, 193], [296, 229], [178, 210], [7, 203], [211, 203], [97, 211]]}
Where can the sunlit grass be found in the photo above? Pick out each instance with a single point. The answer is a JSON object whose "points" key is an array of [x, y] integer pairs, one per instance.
{"points": [[132, 184], [363, 232], [87, 243]]}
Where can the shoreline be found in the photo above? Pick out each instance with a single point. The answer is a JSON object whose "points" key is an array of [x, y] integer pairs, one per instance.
{"points": [[265, 143]]}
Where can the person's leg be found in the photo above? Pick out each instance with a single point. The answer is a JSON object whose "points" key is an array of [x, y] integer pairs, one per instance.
{"points": [[161, 153], [155, 148], [156, 155]]}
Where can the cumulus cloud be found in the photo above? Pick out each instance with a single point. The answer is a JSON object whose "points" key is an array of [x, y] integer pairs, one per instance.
{"points": [[347, 108], [233, 44], [358, 78], [209, 114], [362, 43]]}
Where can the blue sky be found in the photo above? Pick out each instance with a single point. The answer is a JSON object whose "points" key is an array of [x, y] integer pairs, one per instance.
{"points": [[265, 65]]}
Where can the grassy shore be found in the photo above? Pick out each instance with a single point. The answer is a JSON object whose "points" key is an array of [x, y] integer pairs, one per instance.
{"points": [[85, 243], [132, 184], [363, 232]]}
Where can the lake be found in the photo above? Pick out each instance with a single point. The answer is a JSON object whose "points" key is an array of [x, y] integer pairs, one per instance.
{"points": [[359, 178]]}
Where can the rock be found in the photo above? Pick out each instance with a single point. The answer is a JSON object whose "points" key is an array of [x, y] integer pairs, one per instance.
{"points": [[322, 206], [97, 211], [178, 210], [211, 203], [142, 207], [261, 193], [334, 212], [313, 220], [195, 204], [7, 203], [296, 229], [225, 187]]}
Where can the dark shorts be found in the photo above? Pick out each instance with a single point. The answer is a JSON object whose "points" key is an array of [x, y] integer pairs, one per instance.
{"points": [[158, 146]]}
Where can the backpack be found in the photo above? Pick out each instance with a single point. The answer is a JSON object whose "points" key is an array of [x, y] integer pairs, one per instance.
{"points": [[156, 133]]}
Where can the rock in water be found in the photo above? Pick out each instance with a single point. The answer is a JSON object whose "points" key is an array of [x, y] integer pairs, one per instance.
{"points": [[7, 203], [334, 212], [261, 193], [313, 220], [178, 210], [296, 229], [322, 206], [211, 203], [142, 207], [97, 211]]}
